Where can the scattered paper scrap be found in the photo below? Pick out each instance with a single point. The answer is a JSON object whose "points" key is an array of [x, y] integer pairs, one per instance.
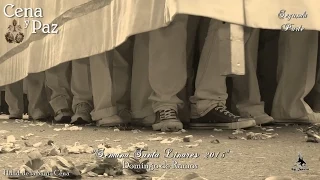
{"points": [[260, 136], [68, 127], [11, 139], [192, 145], [37, 144], [170, 140], [4, 131], [9, 147], [155, 139], [238, 131], [215, 141], [187, 138], [135, 131]]}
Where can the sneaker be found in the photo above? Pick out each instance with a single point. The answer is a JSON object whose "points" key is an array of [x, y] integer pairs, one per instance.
{"points": [[63, 116], [261, 118], [220, 118], [167, 120], [145, 122], [111, 121], [82, 114]]}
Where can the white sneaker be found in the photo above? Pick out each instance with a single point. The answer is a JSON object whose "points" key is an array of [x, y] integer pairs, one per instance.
{"points": [[111, 121], [261, 118]]}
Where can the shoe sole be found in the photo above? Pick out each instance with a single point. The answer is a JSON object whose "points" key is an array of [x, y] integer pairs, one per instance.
{"points": [[264, 120], [226, 126], [64, 120]]}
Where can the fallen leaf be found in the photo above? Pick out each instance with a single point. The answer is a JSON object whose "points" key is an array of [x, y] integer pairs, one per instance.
{"points": [[170, 140], [192, 145], [155, 139], [11, 139], [198, 141], [37, 144], [89, 167], [116, 130], [215, 141], [30, 134], [279, 178], [117, 140], [50, 143], [238, 131], [140, 145], [269, 130], [232, 137], [5, 122], [218, 130], [135, 131], [4, 131], [27, 144]]}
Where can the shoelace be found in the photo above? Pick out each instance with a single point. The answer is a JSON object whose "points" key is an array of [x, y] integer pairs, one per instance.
{"points": [[168, 114], [224, 110]]}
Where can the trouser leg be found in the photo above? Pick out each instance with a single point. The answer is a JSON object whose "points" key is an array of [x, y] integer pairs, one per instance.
{"points": [[14, 98], [81, 83], [110, 81], [296, 74], [38, 107], [168, 63], [58, 80], [211, 87], [141, 106]]}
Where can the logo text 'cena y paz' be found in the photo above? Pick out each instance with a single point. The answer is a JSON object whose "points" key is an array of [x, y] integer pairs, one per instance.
{"points": [[14, 34]]}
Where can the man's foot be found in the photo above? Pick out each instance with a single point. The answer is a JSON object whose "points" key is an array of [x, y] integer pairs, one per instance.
{"points": [[15, 116], [261, 118], [145, 122], [82, 114], [312, 118], [63, 116], [167, 120], [219, 117], [111, 121]]}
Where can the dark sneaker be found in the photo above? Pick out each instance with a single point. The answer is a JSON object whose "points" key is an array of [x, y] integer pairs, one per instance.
{"points": [[220, 118], [82, 114], [167, 120], [63, 116]]}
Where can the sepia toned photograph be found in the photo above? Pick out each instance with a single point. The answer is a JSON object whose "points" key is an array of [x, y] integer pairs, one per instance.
{"points": [[160, 89]]}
